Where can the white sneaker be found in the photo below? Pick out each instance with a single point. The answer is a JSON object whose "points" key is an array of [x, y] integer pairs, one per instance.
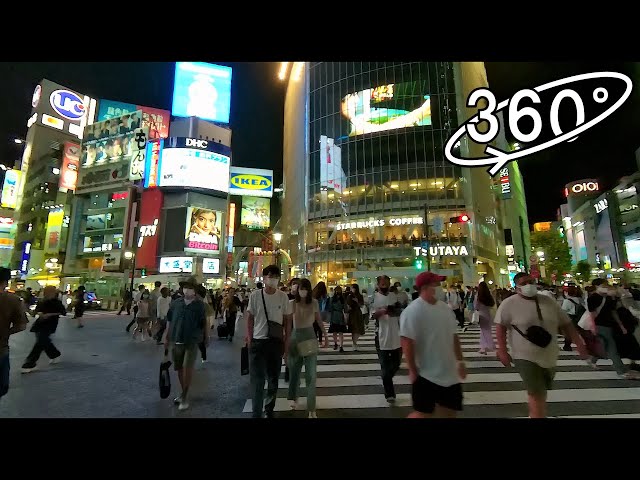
{"points": [[313, 415], [177, 400], [183, 406], [53, 361], [203, 361], [355, 348], [293, 404]]}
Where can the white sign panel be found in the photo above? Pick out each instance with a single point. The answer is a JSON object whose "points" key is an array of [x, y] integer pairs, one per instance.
{"points": [[332, 175], [211, 265], [190, 167], [176, 264], [601, 205]]}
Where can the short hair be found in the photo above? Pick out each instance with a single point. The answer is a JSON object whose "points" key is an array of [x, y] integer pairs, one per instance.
{"points": [[271, 270], [164, 291], [188, 285], [294, 281], [5, 274], [598, 281], [382, 277], [518, 276], [141, 287], [158, 283], [259, 285]]}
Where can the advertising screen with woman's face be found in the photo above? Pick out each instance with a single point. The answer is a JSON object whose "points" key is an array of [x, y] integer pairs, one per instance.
{"points": [[203, 229]]}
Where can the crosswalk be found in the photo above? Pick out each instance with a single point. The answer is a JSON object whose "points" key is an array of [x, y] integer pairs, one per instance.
{"points": [[349, 386]]}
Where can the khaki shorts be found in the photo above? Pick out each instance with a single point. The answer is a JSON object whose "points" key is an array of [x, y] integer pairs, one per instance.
{"points": [[537, 380], [184, 356]]}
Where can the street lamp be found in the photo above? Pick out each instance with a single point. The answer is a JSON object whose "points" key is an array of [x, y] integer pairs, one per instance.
{"points": [[277, 237]]}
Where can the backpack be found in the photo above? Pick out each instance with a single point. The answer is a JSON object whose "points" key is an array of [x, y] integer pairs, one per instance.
{"points": [[579, 310]]}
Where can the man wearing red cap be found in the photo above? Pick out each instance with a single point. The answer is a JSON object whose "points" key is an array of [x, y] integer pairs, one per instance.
{"points": [[432, 351]]}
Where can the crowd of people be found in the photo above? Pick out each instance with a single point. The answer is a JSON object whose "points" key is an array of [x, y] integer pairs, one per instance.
{"points": [[290, 322]]}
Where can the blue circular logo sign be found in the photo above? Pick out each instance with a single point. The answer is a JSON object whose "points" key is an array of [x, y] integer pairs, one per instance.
{"points": [[67, 104]]}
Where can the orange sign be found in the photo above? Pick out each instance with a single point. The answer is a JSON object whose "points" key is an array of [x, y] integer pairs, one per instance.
{"points": [[542, 227]]}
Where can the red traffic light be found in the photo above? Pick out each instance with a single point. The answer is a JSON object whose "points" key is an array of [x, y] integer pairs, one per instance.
{"points": [[459, 219]]}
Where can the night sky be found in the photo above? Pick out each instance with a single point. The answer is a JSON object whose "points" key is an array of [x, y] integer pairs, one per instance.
{"points": [[605, 152]]}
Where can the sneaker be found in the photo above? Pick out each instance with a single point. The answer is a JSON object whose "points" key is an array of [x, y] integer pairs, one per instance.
{"points": [[268, 414], [335, 346], [341, 349], [630, 375], [28, 367], [183, 406], [53, 361], [567, 348], [313, 415], [293, 404], [203, 361], [355, 348], [177, 400], [593, 364], [391, 400]]}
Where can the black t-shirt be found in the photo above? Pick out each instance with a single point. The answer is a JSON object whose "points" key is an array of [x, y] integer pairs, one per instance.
{"points": [[605, 317], [51, 305]]}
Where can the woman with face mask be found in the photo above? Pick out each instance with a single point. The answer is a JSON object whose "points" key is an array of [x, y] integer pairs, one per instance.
{"points": [[142, 319], [303, 346], [482, 304], [337, 324]]}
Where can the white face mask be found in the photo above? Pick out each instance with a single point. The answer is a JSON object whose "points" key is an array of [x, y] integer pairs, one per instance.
{"points": [[602, 290], [271, 282], [303, 293], [439, 293], [529, 290]]}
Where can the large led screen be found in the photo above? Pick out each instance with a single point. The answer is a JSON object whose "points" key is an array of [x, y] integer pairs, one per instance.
{"points": [[202, 90], [387, 107], [255, 213], [203, 230], [191, 167], [10, 188]]}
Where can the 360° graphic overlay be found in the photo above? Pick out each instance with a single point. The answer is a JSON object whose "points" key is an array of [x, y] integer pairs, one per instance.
{"points": [[497, 158]]}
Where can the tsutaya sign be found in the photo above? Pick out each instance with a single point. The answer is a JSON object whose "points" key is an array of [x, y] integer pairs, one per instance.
{"points": [[147, 231], [436, 250], [380, 222]]}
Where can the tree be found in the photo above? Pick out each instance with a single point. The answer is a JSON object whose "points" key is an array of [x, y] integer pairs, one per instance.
{"points": [[557, 257], [582, 271]]}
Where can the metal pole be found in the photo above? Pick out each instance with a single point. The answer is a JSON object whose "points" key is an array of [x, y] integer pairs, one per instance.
{"points": [[426, 230], [134, 251]]}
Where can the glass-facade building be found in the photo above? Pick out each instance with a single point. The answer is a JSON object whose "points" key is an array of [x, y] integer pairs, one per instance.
{"points": [[378, 193]]}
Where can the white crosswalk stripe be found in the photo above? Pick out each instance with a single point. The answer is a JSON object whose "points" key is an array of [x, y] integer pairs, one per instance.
{"points": [[349, 385]]}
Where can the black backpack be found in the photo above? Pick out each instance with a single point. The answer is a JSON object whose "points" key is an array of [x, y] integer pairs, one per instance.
{"points": [[579, 310]]}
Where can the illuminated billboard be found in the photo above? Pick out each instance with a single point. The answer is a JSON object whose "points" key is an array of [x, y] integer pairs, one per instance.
{"points": [[387, 107], [194, 163], [70, 167], [332, 175], [60, 108], [10, 188], [211, 266], [203, 232], [176, 265], [255, 213], [202, 90], [54, 231], [587, 186], [254, 182], [152, 159], [155, 119], [113, 150]]}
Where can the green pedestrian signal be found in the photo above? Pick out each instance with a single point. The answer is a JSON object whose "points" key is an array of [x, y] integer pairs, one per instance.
{"points": [[143, 272], [418, 263]]}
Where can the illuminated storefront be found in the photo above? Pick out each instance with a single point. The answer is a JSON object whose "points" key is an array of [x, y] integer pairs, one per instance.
{"points": [[375, 186]]}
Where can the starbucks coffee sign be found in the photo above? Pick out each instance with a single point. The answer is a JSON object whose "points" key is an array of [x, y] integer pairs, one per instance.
{"points": [[435, 250], [380, 222]]}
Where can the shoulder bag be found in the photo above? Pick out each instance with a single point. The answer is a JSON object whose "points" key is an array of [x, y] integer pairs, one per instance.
{"points": [[305, 348], [536, 334], [275, 330]]}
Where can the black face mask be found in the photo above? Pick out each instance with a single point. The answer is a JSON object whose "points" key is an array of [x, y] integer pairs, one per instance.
{"points": [[384, 291]]}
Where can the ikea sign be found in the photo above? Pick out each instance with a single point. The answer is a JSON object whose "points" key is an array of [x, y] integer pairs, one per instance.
{"points": [[251, 182]]}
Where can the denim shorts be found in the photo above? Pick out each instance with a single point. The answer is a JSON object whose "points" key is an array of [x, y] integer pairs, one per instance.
{"points": [[4, 374]]}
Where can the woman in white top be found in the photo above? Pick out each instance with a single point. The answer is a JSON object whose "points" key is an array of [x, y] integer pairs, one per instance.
{"points": [[303, 346], [574, 305]]}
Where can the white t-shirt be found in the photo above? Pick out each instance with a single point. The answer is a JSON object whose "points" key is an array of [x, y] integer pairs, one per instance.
{"points": [[453, 298], [137, 296], [388, 327], [432, 328], [163, 307], [277, 306], [521, 312]]}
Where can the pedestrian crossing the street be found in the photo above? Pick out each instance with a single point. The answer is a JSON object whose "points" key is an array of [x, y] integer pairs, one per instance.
{"points": [[349, 385]]}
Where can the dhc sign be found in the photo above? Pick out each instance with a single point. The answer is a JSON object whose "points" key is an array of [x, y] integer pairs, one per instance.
{"points": [[251, 182]]}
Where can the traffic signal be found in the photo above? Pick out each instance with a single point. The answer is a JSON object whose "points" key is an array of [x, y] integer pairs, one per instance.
{"points": [[418, 263], [464, 218], [143, 272]]}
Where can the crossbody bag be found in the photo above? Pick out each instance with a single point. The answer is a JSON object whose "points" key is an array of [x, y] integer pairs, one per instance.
{"points": [[275, 330], [306, 347], [536, 334]]}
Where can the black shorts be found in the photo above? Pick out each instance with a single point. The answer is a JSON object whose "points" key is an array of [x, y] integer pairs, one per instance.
{"points": [[426, 395]]}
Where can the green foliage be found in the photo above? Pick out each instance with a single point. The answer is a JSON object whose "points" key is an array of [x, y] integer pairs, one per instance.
{"points": [[557, 257], [584, 269]]}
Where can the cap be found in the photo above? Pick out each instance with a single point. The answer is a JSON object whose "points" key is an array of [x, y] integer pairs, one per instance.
{"points": [[426, 278]]}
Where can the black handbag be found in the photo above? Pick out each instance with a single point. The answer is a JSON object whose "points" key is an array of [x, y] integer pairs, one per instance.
{"points": [[536, 334], [164, 380], [275, 330]]}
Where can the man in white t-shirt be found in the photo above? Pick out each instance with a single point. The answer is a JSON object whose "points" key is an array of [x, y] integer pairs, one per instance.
{"points": [[432, 351], [535, 364], [265, 350], [387, 308]]}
